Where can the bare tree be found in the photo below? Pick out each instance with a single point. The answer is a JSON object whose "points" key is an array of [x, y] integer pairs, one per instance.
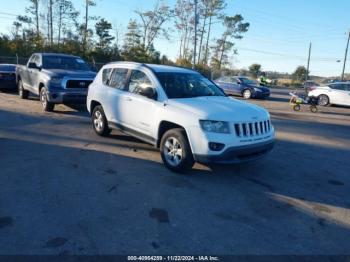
{"points": [[184, 22], [152, 23], [66, 17]]}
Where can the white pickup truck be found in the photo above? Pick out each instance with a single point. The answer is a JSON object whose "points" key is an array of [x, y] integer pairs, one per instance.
{"points": [[179, 111]]}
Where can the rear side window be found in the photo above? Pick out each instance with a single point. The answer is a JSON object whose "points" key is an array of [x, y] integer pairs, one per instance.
{"points": [[118, 78], [105, 75], [138, 80], [338, 86]]}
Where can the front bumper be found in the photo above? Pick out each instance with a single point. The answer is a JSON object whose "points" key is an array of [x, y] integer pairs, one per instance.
{"points": [[261, 94], [72, 97], [239, 154]]}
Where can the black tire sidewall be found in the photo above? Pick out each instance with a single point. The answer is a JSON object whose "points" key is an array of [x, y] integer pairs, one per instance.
{"points": [[105, 131], [187, 161], [48, 107], [23, 94]]}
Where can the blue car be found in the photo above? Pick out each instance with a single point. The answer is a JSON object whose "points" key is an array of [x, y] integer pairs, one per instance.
{"points": [[242, 86], [8, 76]]}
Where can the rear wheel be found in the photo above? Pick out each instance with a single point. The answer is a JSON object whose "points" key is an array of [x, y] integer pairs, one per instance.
{"points": [[323, 100], [23, 94], [176, 151], [247, 94], [47, 106], [313, 109], [99, 122]]}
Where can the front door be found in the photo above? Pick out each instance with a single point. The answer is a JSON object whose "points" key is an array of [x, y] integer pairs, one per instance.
{"points": [[140, 109]]}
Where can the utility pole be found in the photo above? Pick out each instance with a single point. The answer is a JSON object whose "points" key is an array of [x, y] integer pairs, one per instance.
{"points": [[307, 68], [195, 32], [346, 56]]}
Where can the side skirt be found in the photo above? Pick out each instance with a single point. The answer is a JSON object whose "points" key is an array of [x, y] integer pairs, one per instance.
{"points": [[129, 131]]}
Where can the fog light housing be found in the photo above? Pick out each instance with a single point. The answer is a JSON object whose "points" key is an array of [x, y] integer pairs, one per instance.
{"points": [[216, 146]]}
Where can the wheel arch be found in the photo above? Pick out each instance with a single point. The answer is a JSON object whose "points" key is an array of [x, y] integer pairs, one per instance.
{"points": [[165, 126], [93, 104]]}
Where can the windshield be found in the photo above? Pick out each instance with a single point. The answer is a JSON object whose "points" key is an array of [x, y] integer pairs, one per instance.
{"points": [[66, 63], [248, 81], [187, 85]]}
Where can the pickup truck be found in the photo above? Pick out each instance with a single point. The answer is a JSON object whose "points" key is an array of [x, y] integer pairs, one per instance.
{"points": [[55, 78]]}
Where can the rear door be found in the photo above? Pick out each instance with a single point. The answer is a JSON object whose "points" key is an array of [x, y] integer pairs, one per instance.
{"points": [[114, 83]]}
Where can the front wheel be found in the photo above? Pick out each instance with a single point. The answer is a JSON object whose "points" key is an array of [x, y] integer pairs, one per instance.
{"points": [[247, 94], [176, 151], [23, 94], [47, 106]]}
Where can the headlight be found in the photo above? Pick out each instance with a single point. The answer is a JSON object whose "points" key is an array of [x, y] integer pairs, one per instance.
{"points": [[215, 126], [257, 89], [56, 80]]}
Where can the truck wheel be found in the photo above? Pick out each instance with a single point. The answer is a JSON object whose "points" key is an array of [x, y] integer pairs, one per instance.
{"points": [[23, 94], [99, 122], [176, 151], [47, 106]]}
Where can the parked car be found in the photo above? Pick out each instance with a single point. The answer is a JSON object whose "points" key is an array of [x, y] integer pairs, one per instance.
{"points": [[335, 93], [55, 78], [242, 86], [179, 111], [7, 76]]}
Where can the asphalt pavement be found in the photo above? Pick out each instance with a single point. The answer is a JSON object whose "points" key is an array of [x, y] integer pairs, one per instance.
{"points": [[64, 190]]}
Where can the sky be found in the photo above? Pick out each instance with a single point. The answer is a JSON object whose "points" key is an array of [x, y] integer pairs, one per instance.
{"points": [[278, 38]]}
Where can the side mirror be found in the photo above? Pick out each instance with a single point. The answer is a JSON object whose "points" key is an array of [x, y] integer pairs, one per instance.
{"points": [[33, 66], [149, 92]]}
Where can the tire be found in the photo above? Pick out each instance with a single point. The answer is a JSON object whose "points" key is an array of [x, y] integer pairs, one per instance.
{"points": [[247, 94], [23, 94], [175, 151], [99, 121], [296, 108], [47, 106], [323, 100], [313, 109]]}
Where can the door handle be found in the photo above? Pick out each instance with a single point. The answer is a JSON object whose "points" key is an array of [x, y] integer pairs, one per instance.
{"points": [[128, 99]]}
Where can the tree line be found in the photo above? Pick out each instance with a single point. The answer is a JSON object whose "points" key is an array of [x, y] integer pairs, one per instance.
{"points": [[57, 26]]}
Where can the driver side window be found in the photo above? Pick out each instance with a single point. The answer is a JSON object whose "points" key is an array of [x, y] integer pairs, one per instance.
{"points": [[138, 81]]}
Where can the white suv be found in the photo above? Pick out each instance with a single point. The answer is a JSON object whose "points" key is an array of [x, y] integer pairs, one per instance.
{"points": [[179, 111]]}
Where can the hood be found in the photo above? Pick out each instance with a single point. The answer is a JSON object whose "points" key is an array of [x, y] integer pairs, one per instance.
{"points": [[69, 73], [220, 108]]}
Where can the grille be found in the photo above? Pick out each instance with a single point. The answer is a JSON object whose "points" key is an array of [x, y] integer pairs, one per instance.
{"points": [[78, 83], [253, 129]]}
